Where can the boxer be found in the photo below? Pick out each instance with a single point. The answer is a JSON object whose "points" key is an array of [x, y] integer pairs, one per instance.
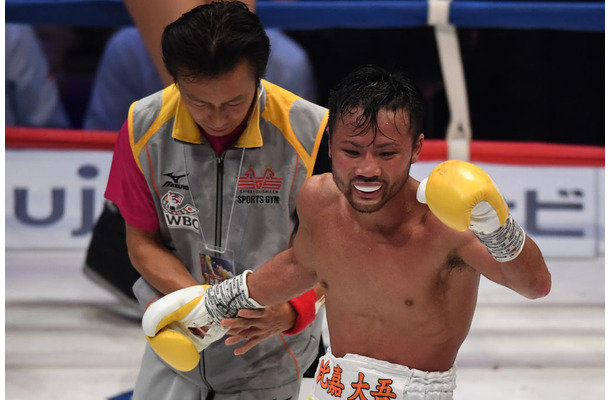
{"points": [[400, 261]]}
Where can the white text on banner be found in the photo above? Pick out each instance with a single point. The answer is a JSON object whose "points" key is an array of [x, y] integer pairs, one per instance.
{"points": [[53, 198]]}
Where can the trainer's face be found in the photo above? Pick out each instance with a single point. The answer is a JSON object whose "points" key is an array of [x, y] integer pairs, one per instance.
{"points": [[370, 170], [220, 104]]}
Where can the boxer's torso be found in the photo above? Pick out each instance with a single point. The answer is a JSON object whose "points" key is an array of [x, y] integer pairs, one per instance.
{"points": [[400, 294]]}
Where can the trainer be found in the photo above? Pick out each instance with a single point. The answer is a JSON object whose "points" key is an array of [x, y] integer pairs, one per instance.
{"points": [[206, 174]]}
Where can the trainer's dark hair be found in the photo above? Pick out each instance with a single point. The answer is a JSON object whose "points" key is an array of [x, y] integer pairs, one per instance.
{"points": [[373, 88], [212, 39]]}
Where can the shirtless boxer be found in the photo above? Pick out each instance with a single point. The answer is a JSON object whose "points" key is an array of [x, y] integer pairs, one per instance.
{"points": [[400, 277]]}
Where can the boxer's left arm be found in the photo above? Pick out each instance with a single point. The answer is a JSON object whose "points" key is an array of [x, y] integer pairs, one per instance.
{"points": [[527, 274], [464, 197]]}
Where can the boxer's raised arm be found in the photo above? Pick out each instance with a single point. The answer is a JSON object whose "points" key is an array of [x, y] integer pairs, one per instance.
{"points": [[463, 196]]}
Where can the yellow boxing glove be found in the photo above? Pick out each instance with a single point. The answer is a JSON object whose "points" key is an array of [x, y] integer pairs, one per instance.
{"points": [[463, 196], [167, 321]]}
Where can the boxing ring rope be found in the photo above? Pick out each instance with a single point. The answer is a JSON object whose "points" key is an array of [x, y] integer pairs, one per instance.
{"points": [[320, 14], [497, 152]]}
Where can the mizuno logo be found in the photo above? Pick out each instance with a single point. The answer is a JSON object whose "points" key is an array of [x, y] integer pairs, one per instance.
{"points": [[175, 185], [173, 177]]}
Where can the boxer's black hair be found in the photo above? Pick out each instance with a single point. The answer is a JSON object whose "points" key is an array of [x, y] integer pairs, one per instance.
{"points": [[372, 88]]}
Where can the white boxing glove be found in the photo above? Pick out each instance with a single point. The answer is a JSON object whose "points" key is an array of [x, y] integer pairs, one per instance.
{"points": [[167, 321], [463, 196], [166, 325]]}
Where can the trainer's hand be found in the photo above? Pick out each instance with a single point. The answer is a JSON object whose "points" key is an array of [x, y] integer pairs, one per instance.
{"points": [[254, 326], [462, 196], [178, 327]]}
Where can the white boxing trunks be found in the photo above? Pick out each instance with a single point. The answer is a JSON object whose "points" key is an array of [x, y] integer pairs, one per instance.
{"points": [[357, 377]]}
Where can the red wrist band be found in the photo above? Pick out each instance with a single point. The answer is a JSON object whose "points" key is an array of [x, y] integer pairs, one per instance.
{"points": [[305, 307]]}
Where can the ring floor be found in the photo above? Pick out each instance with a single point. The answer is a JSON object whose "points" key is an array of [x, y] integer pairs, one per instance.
{"points": [[68, 339]]}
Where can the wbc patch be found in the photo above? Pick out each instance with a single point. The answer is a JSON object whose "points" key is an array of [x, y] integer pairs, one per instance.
{"points": [[262, 189], [178, 215]]}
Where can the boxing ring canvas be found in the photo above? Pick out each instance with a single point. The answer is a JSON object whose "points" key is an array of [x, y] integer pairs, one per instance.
{"points": [[68, 339]]}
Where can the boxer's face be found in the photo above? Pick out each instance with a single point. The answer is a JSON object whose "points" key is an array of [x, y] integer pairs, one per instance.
{"points": [[220, 104], [368, 168]]}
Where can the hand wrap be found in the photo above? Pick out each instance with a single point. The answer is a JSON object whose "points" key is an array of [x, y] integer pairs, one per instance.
{"points": [[228, 297], [506, 243]]}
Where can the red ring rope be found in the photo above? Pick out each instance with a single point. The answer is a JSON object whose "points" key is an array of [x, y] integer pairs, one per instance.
{"points": [[517, 153]]}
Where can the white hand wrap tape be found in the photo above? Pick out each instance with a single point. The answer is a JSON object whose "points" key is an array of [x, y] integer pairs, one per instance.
{"points": [[506, 243], [227, 298]]}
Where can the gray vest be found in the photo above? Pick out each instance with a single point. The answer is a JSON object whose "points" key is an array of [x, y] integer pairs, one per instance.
{"points": [[245, 206]]}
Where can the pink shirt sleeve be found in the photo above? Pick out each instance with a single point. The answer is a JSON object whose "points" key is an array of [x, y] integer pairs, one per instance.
{"points": [[127, 187]]}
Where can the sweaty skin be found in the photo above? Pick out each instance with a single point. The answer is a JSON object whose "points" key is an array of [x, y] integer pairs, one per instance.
{"points": [[400, 286], [401, 295]]}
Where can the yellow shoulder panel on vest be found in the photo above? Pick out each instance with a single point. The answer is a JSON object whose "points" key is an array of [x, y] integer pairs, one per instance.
{"points": [[170, 96], [277, 111]]}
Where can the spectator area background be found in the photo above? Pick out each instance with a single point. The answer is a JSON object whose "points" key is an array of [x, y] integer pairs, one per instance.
{"points": [[523, 84]]}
